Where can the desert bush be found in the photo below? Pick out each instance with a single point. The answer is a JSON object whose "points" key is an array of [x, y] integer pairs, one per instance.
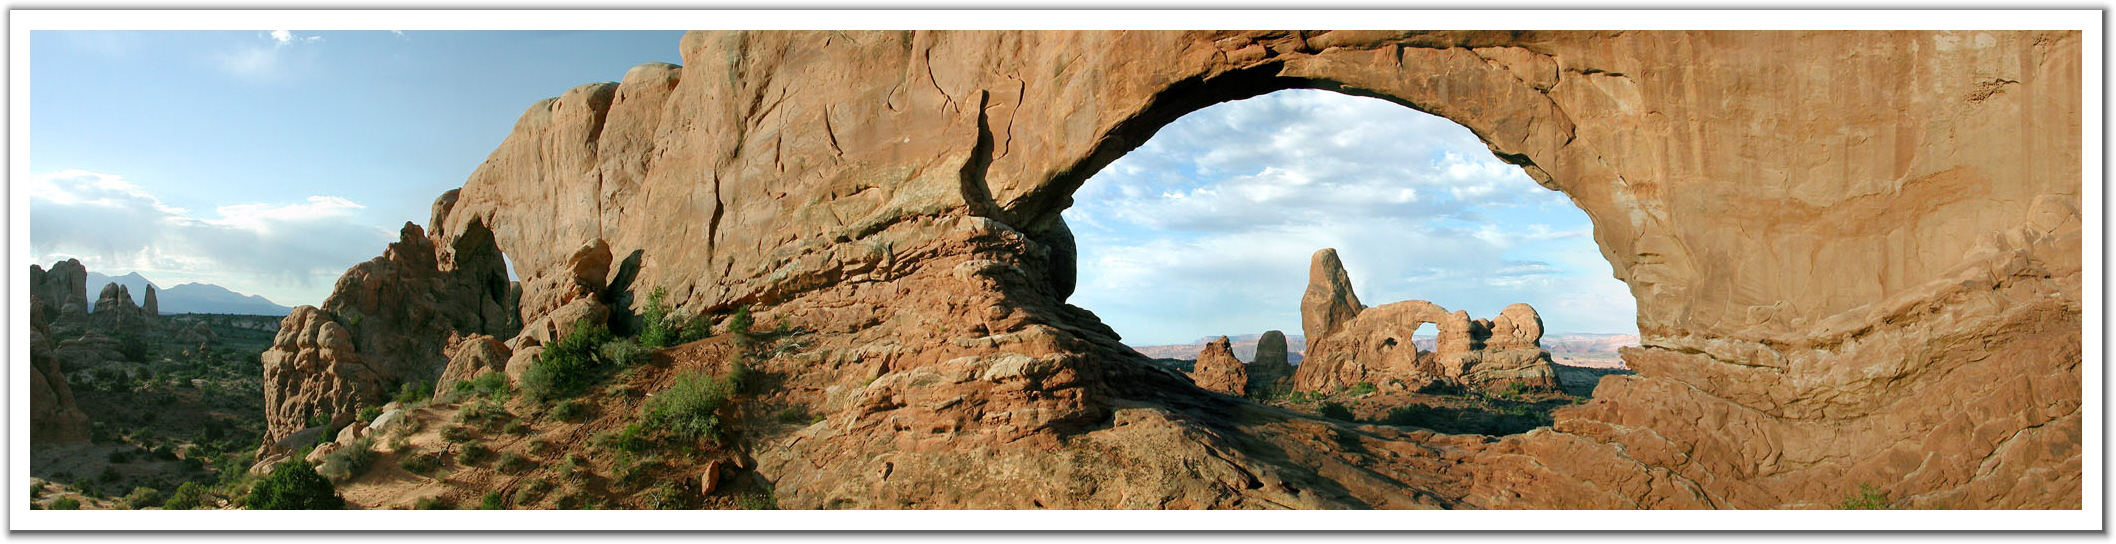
{"points": [[1335, 411], [492, 501], [433, 503], [666, 497], [515, 427], [189, 496], [294, 485], [36, 490], [1867, 497], [471, 453], [142, 497], [1361, 388], [422, 463], [661, 329], [531, 491], [368, 414], [481, 414], [689, 407], [568, 366], [457, 433], [623, 352], [513, 463], [352, 460], [65, 503], [630, 438], [568, 411], [412, 393]]}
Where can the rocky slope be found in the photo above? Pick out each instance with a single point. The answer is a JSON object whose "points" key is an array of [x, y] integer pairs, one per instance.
{"points": [[1856, 257]]}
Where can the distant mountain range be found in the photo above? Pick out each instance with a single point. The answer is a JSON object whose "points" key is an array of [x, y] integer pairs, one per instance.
{"points": [[189, 298]]}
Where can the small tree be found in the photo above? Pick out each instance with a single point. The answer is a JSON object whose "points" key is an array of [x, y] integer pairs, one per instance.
{"points": [[294, 485], [659, 332]]}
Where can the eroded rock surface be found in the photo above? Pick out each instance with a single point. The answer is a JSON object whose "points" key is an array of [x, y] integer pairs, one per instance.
{"points": [[63, 289], [1849, 267], [53, 416]]}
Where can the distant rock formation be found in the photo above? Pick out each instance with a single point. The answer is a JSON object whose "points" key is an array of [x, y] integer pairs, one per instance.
{"points": [[1270, 370], [1329, 301], [63, 289], [1375, 346], [149, 308], [115, 312], [53, 416], [1217, 370]]}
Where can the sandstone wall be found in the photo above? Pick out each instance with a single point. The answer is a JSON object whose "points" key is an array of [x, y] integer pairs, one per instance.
{"points": [[1856, 257]]}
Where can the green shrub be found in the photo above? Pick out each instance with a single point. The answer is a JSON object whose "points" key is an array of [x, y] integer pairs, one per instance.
{"points": [[666, 497], [491, 384], [422, 463], [1361, 388], [515, 427], [568, 366], [493, 501], [368, 414], [689, 407], [294, 485], [481, 414], [65, 503], [531, 491], [457, 433], [741, 323], [36, 490], [513, 463], [142, 497], [631, 438], [471, 453], [412, 393], [189, 496], [660, 331], [433, 503], [623, 352], [1867, 498], [1335, 411], [352, 460], [568, 411]]}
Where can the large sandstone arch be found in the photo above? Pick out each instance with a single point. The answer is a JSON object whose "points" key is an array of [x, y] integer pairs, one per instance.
{"points": [[1856, 257]]}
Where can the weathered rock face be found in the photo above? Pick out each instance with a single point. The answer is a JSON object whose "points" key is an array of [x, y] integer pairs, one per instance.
{"points": [[53, 416], [1270, 371], [386, 323], [1329, 301], [64, 289], [1830, 252], [1218, 371]]}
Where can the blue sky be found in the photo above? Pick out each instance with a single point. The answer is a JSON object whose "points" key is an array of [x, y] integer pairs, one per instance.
{"points": [[1207, 229], [270, 161]]}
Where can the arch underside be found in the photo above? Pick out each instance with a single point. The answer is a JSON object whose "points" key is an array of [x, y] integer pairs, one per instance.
{"points": [[1841, 277]]}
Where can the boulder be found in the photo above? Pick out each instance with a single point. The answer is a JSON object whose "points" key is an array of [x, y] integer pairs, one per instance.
{"points": [[63, 289], [471, 357], [1218, 371]]}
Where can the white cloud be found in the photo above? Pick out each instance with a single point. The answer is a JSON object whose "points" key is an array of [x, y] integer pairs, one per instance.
{"points": [[1208, 227], [288, 252], [266, 60]]}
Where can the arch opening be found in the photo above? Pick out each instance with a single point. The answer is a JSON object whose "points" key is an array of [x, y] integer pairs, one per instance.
{"points": [[1205, 229]]}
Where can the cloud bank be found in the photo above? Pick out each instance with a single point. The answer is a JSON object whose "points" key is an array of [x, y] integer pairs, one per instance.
{"points": [[1207, 228], [291, 253]]}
